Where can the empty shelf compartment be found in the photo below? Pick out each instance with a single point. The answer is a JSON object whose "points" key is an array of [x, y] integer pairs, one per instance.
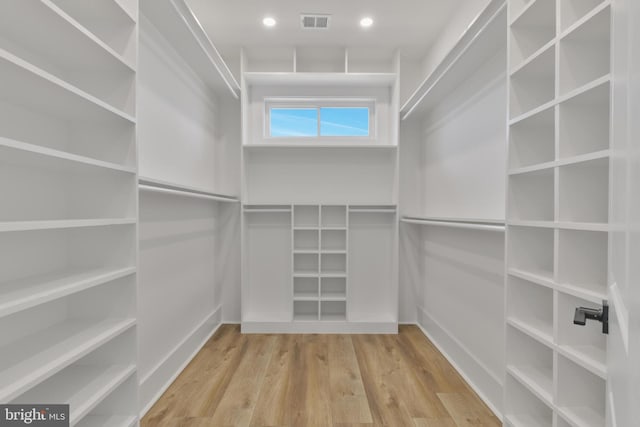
{"points": [[334, 310]]}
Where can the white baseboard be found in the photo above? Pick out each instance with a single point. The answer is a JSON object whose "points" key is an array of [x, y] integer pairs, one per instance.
{"points": [[154, 384], [474, 372], [319, 327]]}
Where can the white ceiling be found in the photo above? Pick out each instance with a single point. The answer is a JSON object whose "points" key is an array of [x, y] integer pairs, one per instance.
{"points": [[412, 25]]}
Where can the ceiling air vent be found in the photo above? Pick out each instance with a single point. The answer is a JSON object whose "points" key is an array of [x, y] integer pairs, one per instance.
{"points": [[315, 21]]}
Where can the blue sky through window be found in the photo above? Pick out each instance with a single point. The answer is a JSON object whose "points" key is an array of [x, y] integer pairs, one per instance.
{"points": [[294, 122], [341, 121], [334, 121]]}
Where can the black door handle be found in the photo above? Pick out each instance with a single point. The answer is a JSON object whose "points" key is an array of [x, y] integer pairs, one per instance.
{"points": [[583, 314]]}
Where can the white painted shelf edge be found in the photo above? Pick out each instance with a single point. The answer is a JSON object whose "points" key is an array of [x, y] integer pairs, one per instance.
{"points": [[9, 226], [88, 34], [60, 84], [319, 79], [83, 387], [586, 18], [58, 155], [71, 342], [27, 293], [467, 40]]}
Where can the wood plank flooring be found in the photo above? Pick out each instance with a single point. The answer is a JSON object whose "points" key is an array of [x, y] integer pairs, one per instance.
{"points": [[319, 381]]}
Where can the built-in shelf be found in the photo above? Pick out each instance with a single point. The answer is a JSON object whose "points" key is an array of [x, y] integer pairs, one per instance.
{"points": [[539, 382], [532, 29], [37, 357], [558, 203], [319, 79], [585, 50], [30, 86], [322, 145], [12, 151], [82, 387], [602, 154], [69, 219], [535, 331], [110, 21], [590, 357], [543, 278], [178, 24], [581, 395], [482, 39], [525, 409], [61, 224], [68, 43], [25, 293]]}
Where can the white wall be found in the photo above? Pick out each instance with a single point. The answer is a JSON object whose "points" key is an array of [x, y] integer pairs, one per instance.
{"points": [[186, 135], [189, 248], [464, 148], [461, 303], [452, 165]]}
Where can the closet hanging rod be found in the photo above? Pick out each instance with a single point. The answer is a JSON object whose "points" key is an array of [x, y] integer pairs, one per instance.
{"points": [[455, 224], [186, 193]]}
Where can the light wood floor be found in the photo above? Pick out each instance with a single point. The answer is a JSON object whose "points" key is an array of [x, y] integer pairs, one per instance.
{"points": [[319, 380]]}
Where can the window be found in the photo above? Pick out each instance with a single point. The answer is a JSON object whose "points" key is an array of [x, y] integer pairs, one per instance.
{"points": [[312, 120]]}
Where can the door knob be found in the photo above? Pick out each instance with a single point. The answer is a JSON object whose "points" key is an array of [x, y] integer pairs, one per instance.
{"points": [[583, 314]]}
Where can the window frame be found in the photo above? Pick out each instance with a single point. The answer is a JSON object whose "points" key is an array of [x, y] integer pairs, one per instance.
{"points": [[318, 104]]}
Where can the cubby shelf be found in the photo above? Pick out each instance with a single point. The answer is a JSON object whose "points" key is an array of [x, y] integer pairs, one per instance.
{"points": [[535, 331], [558, 202], [602, 154], [582, 416], [540, 278], [574, 13], [26, 293], [535, 380], [37, 357], [527, 420], [589, 357], [83, 387]]}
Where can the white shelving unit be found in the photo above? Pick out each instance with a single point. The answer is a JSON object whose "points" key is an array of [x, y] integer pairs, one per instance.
{"points": [[557, 210], [316, 280], [69, 215]]}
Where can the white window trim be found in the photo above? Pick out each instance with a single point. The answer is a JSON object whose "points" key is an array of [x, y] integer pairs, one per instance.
{"points": [[317, 103]]}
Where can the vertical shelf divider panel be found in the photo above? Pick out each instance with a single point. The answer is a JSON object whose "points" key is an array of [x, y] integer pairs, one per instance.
{"points": [[557, 210]]}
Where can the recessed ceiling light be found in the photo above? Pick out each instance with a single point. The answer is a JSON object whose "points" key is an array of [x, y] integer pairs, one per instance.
{"points": [[366, 22], [269, 22]]}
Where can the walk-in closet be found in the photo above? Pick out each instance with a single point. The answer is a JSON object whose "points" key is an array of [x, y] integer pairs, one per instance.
{"points": [[289, 213]]}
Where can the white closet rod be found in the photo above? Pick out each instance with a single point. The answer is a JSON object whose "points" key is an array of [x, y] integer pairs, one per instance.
{"points": [[455, 224], [185, 193]]}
